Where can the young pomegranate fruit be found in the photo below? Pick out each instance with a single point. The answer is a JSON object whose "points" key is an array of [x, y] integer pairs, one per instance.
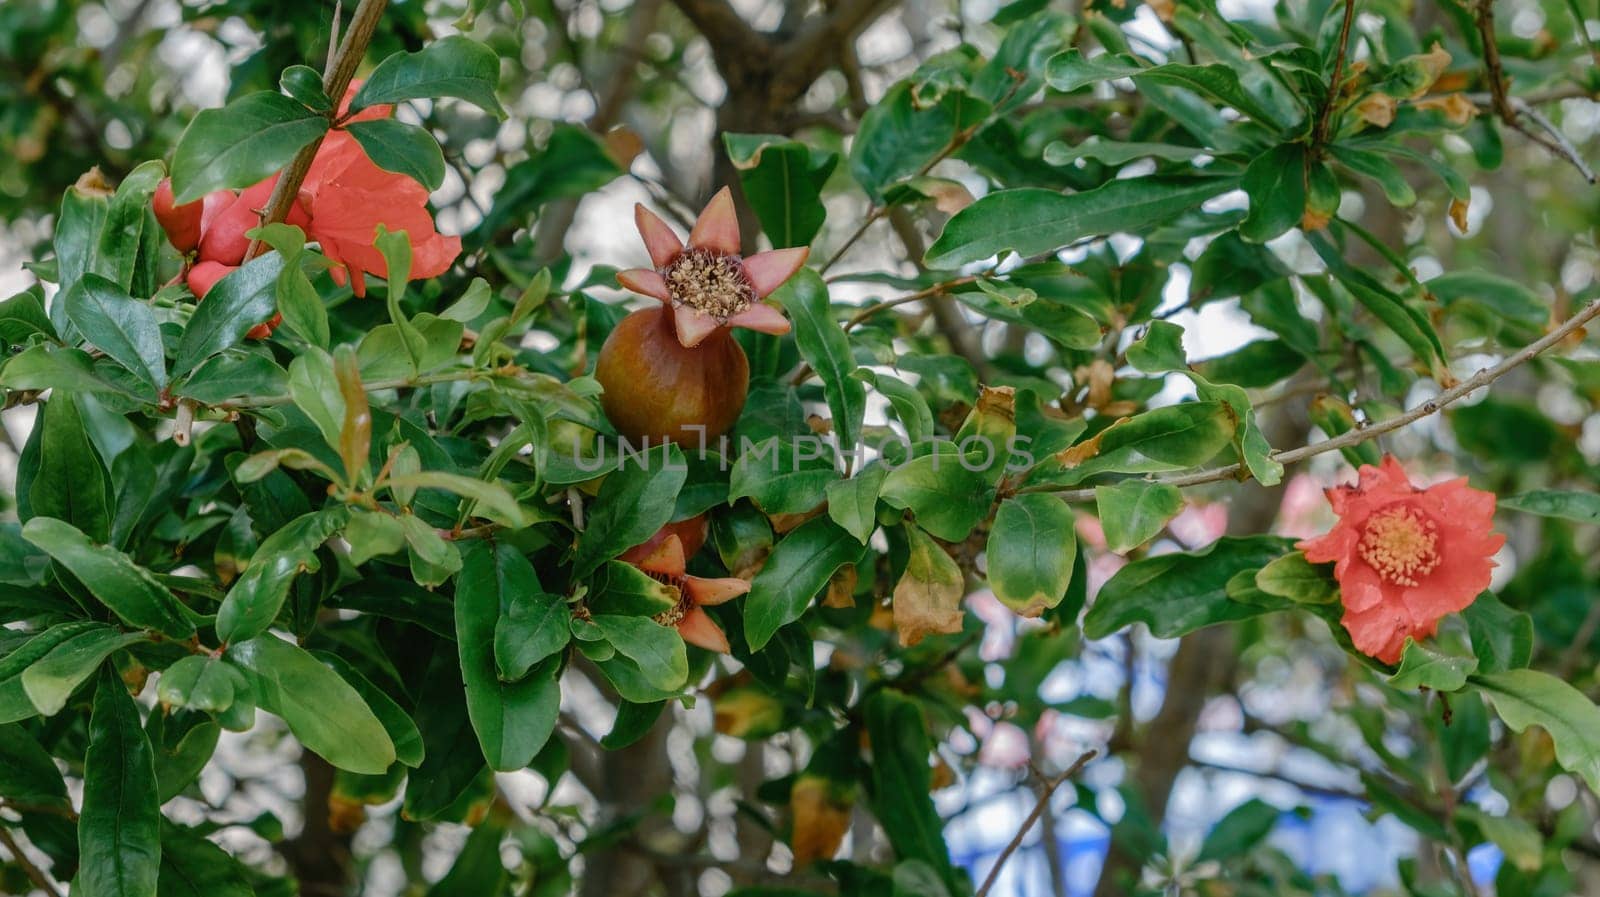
{"points": [[670, 371]]}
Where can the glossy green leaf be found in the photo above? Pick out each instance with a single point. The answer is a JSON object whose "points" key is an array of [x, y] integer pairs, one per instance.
{"points": [[513, 719], [1502, 638], [244, 142], [1424, 667], [1030, 221], [1175, 594], [1032, 547], [1172, 437], [853, 503], [401, 148], [1132, 512], [119, 835], [947, 498], [131, 592], [1526, 698], [69, 482], [1583, 507], [656, 653], [236, 303], [901, 781], [782, 180], [119, 325], [323, 711], [255, 598], [634, 501], [193, 866], [798, 568], [453, 66], [825, 347], [1276, 185], [1297, 579]]}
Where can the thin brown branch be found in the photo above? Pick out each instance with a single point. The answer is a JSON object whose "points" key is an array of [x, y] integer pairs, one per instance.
{"points": [[1512, 110], [336, 79], [35, 874], [1357, 436], [1319, 136], [1046, 791]]}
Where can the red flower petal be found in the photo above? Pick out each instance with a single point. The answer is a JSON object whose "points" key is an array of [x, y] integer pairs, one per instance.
{"points": [[697, 628], [717, 228], [693, 325], [646, 282], [1405, 557], [659, 240], [768, 270], [763, 318], [667, 559], [714, 591]]}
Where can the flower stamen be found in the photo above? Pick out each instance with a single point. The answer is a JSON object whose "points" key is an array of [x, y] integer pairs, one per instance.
{"points": [[684, 604], [713, 283], [1401, 544]]}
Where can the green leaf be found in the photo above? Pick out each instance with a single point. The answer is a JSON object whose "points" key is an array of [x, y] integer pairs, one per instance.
{"points": [[1583, 507], [323, 711], [534, 627], [1132, 512], [490, 500], [1276, 185], [238, 302], [1030, 221], [572, 164], [797, 569], [634, 501], [69, 482], [1526, 698], [123, 245], [1069, 70], [22, 317], [1173, 437], [1297, 579], [513, 719], [1423, 667], [1518, 839], [1502, 638], [131, 592], [396, 249], [408, 748], [119, 835], [655, 651], [900, 134], [401, 148], [255, 598], [315, 391], [1031, 551], [201, 683], [947, 498], [1113, 152], [632, 723], [119, 325], [853, 503], [782, 180], [244, 142], [621, 588], [1175, 594], [28, 775], [1241, 830], [52, 680], [901, 781], [453, 66], [783, 475], [192, 866], [304, 83], [825, 347]]}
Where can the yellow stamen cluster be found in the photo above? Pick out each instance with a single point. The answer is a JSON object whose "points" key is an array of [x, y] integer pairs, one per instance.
{"points": [[678, 610], [715, 284], [1401, 543]]}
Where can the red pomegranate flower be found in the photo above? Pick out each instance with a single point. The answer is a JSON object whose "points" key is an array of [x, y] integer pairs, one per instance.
{"points": [[1405, 556], [664, 560], [707, 284], [343, 199]]}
